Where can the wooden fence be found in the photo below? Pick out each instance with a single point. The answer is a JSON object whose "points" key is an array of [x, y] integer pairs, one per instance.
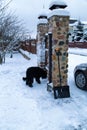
{"points": [[78, 44], [29, 45]]}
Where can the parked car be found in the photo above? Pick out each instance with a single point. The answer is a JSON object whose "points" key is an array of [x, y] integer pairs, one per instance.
{"points": [[80, 76]]}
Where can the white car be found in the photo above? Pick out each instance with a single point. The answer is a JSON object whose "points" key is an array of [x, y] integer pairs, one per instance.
{"points": [[80, 76]]}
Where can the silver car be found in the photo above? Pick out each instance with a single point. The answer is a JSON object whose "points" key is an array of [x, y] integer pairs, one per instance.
{"points": [[80, 76]]}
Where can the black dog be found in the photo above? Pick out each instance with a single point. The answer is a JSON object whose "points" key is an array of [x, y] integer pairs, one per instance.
{"points": [[34, 72]]}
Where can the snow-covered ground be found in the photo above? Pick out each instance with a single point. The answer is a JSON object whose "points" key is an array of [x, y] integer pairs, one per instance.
{"points": [[25, 108]]}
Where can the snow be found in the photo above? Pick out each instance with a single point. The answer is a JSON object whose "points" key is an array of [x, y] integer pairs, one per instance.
{"points": [[42, 21], [57, 2], [58, 12], [40, 53], [25, 108], [43, 13]]}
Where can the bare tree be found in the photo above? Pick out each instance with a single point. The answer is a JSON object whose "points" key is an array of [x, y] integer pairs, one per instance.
{"points": [[11, 31]]}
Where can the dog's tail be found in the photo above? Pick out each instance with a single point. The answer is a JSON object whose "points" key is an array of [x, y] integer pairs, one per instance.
{"points": [[24, 78]]}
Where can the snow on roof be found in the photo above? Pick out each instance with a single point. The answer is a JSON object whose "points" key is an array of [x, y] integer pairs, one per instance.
{"points": [[74, 24], [57, 2], [42, 14], [59, 12], [42, 21]]}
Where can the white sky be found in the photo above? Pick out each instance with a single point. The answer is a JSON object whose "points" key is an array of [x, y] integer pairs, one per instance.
{"points": [[28, 10]]}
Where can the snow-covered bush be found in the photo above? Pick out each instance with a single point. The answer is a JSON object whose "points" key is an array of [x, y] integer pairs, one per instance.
{"points": [[78, 34]]}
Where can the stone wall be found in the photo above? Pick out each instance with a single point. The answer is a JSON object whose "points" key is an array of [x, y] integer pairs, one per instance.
{"points": [[59, 26], [42, 29]]}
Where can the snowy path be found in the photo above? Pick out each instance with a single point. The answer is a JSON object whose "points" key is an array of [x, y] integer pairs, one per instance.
{"points": [[24, 108]]}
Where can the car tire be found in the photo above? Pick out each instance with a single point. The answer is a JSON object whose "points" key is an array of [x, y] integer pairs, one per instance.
{"points": [[81, 80]]}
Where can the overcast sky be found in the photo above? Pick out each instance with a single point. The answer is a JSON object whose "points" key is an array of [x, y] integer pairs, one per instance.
{"points": [[28, 10]]}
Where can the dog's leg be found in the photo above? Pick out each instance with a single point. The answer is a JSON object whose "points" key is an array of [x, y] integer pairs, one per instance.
{"points": [[38, 80], [27, 82], [30, 82]]}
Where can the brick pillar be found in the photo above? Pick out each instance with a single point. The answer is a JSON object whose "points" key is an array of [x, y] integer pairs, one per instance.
{"points": [[42, 29], [59, 26]]}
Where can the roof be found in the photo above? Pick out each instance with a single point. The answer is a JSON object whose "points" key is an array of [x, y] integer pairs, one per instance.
{"points": [[57, 4], [71, 21]]}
